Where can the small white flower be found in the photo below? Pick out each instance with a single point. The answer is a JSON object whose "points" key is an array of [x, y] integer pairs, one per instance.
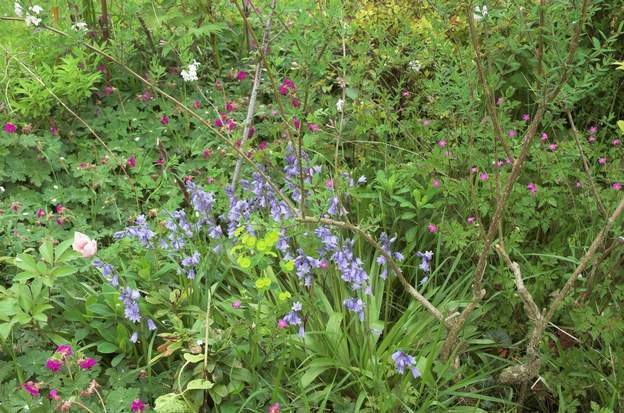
{"points": [[480, 12], [53, 200], [19, 12], [415, 65], [190, 74], [36, 9], [340, 105], [80, 26], [55, 186], [137, 138], [32, 20], [61, 159]]}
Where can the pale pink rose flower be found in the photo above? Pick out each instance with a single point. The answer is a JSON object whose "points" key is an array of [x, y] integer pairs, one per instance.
{"points": [[84, 245]]}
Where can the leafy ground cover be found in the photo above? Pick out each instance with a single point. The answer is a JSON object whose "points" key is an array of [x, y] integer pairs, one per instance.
{"points": [[300, 206]]}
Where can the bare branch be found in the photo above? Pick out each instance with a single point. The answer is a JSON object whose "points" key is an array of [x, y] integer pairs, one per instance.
{"points": [[254, 94]]}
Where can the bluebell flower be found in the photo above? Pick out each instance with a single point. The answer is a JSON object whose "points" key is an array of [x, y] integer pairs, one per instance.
{"points": [[355, 305], [134, 337], [404, 361], [425, 260], [151, 326]]}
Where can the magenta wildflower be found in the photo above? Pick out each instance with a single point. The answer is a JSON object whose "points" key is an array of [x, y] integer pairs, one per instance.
{"points": [[164, 120], [197, 104], [263, 145], [108, 90], [54, 130], [442, 143], [470, 220], [484, 176], [591, 139], [40, 213], [207, 153], [499, 101], [313, 127], [146, 96], [54, 395], [544, 137], [512, 133], [54, 365], [236, 304], [295, 103], [532, 187], [283, 89], [86, 364], [218, 84], [229, 106], [10, 127], [617, 186], [436, 183], [274, 408], [579, 184], [65, 349], [432, 228], [282, 323], [231, 124], [289, 84], [552, 147], [296, 123], [242, 75], [160, 162], [329, 184], [31, 387], [526, 117], [616, 142], [132, 161], [137, 406], [602, 161], [473, 170], [251, 132], [593, 130], [218, 123]]}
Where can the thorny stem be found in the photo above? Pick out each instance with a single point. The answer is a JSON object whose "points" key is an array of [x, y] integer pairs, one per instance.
{"points": [[254, 94], [457, 321]]}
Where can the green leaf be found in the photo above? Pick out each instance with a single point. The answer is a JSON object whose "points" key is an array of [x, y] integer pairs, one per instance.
{"points": [[193, 358], [47, 252], [171, 403], [106, 347], [199, 384], [27, 263], [62, 271], [620, 124]]}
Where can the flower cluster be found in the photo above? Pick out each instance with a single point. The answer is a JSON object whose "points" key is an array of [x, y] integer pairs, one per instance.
{"points": [[190, 74], [139, 231], [385, 246]]}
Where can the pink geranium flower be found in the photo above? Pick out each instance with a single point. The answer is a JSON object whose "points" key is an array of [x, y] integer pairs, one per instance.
{"points": [[296, 123], [617, 186], [442, 143], [274, 408], [295, 103], [207, 153], [432, 228], [10, 127], [544, 137], [86, 364], [242, 75], [602, 161], [137, 406], [470, 220], [164, 120], [54, 395], [40, 213], [31, 387], [313, 127], [526, 117], [282, 324], [65, 349], [484, 176], [512, 133], [54, 365], [435, 183], [615, 142], [532, 187], [263, 145], [552, 147], [84, 245], [132, 161], [236, 304], [229, 106]]}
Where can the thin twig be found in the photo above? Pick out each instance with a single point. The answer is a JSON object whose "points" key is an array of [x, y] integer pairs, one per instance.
{"points": [[592, 185], [254, 94]]}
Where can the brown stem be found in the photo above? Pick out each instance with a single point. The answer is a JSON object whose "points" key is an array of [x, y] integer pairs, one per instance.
{"points": [[148, 35], [592, 185], [457, 322], [104, 21], [487, 93]]}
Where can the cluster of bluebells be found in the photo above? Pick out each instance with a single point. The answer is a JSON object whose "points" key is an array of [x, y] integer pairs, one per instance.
{"points": [[139, 231], [385, 246], [190, 263], [128, 296]]}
